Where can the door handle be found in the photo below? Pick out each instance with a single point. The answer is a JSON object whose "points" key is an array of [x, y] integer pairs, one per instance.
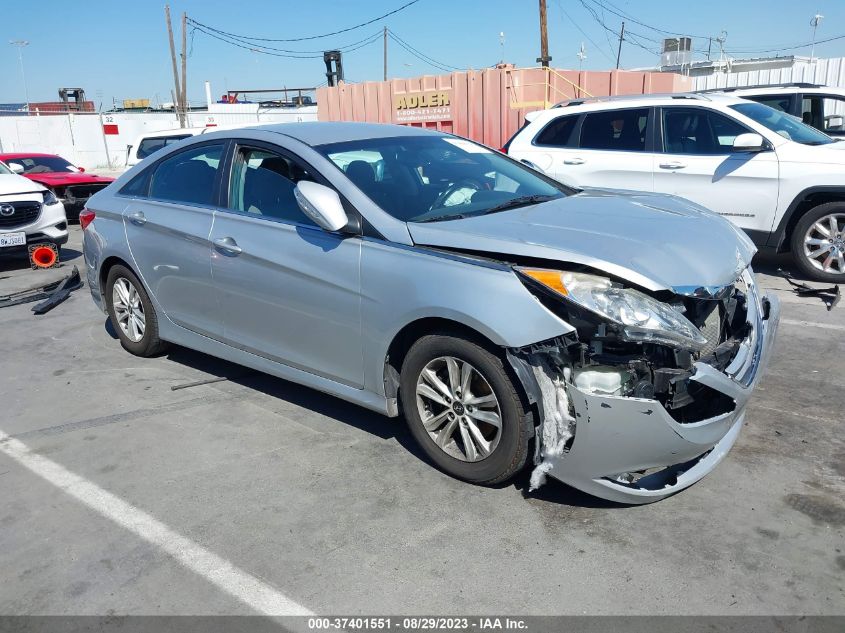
{"points": [[138, 218], [673, 165], [228, 246], [573, 161]]}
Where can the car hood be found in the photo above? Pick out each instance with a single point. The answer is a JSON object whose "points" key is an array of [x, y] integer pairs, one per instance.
{"points": [[659, 242], [61, 178], [13, 183]]}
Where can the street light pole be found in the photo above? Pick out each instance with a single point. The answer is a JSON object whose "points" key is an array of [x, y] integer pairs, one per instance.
{"points": [[815, 24], [20, 44]]}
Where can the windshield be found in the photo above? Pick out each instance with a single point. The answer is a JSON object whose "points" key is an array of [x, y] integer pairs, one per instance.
{"points": [[434, 178], [43, 164], [787, 126], [5, 170]]}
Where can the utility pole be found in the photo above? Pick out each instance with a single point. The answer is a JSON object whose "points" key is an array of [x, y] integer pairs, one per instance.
{"points": [[184, 67], [619, 50], [815, 24], [20, 44], [385, 53], [544, 58], [177, 92]]}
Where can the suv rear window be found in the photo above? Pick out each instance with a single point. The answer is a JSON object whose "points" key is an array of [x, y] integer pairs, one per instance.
{"points": [[615, 130], [151, 145], [558, 132]]}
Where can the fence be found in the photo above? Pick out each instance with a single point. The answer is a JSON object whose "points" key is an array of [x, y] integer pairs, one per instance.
{"points": [[99, 141]]}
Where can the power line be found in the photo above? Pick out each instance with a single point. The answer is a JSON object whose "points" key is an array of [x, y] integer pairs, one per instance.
{"points": [[255, 48], [610, 8], [265, 47], [420, 55], [584, 33], [785, 48], [310, 37]]}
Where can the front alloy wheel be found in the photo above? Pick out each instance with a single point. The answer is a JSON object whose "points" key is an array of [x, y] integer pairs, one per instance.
{"points": [[459, 409], [463, 409], [824, 244]]}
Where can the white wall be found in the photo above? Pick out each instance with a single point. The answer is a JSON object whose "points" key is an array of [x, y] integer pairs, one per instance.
{"points": [[79, 137], [827, 72]]}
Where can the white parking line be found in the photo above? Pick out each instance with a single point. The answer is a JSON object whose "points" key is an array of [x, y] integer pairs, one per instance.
{"points": [[822, 326], [218, 571]]}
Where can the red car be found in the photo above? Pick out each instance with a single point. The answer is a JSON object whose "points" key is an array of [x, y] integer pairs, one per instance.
{"points": [[70, 184]]}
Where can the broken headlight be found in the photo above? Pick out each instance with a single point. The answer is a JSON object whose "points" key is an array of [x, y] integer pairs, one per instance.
{"points": [[640, 318], [49, 197]]}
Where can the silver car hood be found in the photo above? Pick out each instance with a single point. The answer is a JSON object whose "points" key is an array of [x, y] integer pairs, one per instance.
{"points": [[657, 241]]}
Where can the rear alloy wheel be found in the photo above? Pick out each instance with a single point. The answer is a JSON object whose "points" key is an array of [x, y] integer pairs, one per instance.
{"points": [[463, 409], [132, 313], [818, 242]]}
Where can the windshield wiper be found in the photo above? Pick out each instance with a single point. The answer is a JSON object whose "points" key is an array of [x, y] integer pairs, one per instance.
{"points": [[521, 201], [443, 218]]}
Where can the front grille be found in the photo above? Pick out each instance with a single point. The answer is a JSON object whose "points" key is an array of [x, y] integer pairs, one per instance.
{"points": [[22, 213]]}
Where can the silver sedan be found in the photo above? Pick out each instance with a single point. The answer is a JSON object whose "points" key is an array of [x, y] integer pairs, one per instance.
{"points": [[608, 339]]}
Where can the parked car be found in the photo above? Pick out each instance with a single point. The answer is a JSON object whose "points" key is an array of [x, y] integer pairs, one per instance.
{"points": [[783, 182], [823, 107], [29, 213], [150, 142], [611, 339], [71, 185]]}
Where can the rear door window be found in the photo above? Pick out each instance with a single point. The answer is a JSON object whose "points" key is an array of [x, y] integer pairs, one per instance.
{"points": [[615, 130], [189, 176]]}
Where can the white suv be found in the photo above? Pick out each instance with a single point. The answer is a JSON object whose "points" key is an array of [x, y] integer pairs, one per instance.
{"points": [[781, 181], [29, 214], [823, 107]]}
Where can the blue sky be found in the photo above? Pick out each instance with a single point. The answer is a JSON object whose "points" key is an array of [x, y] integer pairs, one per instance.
{"points": [[119, 49]]}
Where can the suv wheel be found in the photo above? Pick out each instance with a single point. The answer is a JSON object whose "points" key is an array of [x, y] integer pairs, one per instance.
{"points": [[132, 314], [463, 409], [818, 242]]}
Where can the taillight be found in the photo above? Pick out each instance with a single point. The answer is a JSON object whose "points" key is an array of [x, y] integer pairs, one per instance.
{"points": [[86, 216]]}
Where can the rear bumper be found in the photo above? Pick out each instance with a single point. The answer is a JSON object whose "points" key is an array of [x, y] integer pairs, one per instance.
{"points": [[616, 437]]}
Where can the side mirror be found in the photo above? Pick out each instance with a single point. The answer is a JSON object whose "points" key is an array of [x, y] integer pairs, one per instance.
{"points": [[528, 163], [16, 168], [321, 204], [834, 122], [749, 142], [80, 169]]}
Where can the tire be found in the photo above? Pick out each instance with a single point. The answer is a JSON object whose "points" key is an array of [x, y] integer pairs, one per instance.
{"points": [[148, 344], [506, 446], [811, 226]]}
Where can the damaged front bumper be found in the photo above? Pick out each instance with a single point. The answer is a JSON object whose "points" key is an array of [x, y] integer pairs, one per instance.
{"points": [[631, 450]]}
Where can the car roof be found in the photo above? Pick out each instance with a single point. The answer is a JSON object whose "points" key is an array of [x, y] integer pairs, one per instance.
{"points": [[597, 104], [27, 155], [765, 90], [190, 131], [325, 132]]}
